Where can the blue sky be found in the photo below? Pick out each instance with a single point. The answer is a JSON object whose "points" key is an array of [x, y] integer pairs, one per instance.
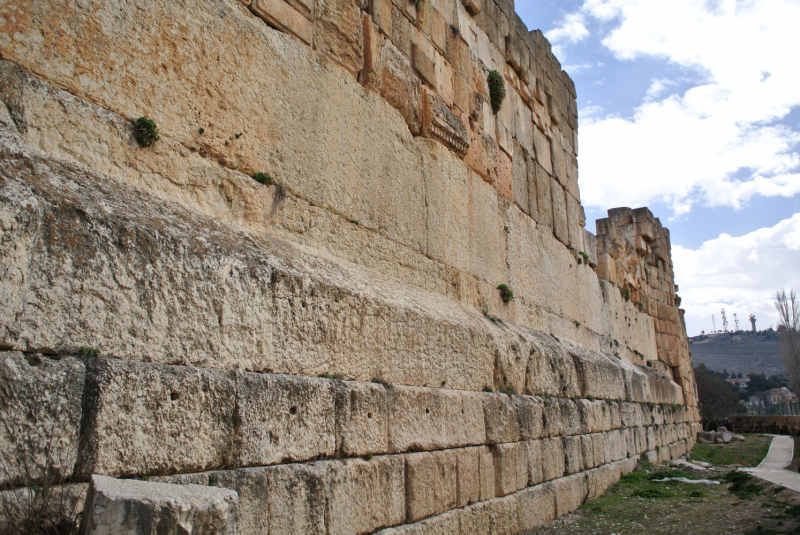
{"points": [[692, 107]]}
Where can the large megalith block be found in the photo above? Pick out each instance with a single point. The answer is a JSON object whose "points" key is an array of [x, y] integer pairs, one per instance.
{"points": [[132, 507], [40, 417]]}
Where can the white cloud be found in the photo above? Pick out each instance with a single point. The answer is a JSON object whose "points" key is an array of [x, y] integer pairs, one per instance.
{"points": [[740, 274], [682, 149], [659, 86], [571, 29]]}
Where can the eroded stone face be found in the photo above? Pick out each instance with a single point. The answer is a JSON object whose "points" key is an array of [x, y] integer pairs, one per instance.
{"points": [[115, 506], [40, 415]]}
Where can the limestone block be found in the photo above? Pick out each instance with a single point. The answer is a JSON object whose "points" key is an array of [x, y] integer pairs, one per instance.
{"points": [[472, 6], [552, 458], [469, 478], [533, 195], [542, 147], [439, 30], [297, 498], [128, 507], [529, 411], [537, 506], [138, 422], [501, 419], [560, 225], [439, 123], [559, 159], [446, 487], [544, 197], [651, 439], [486, 474], [591, 415], [251, 484], [477, 518], [444, 524], [550, 369], [365, 495], [520, 174], [505, 175], [505, 515], [570, 493], [482, 154], [448, 185], [282, 16], [362, 418], [573, 455], [570, 417], [426, 492], [664, 455], [590, 247], [551, 418], [510, 467], [338, 32], [428, 419], [513, 55], [574, 218], [284, 418], [602, 376], [651, 457], [599, 449], [489, 238], [381, 11], [40, 408], [587, 452], [601, 479], [400, 87], [533, 449], [423, 64]]}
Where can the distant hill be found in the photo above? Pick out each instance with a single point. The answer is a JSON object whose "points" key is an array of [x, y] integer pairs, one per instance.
{"points": [[738, 352]]}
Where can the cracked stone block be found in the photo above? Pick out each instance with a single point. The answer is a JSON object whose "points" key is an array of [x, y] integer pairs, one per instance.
{"points": [[132, 507]]}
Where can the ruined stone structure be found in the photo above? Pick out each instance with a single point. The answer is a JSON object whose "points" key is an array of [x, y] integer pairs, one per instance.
{"points": [[329, 344]]}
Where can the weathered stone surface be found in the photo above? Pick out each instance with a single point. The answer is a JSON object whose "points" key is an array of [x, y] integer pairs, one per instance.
{"points": [[427, 419], [283, 418], [122, 507], [362, 418], [501, 419], [40, 417], [444, 524], [297, 498], [552, 458], [365, 495], [421, 480], [570, 493], [510, 467], [544, 196], [560, 224], [149, 418], [537, 506], [469, 477], [282, 16]]}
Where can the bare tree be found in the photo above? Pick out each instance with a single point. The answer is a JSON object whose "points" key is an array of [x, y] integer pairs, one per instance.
{"points": [[788, 308], [717, 398]]}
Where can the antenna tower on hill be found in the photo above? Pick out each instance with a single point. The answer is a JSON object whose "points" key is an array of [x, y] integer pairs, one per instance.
{"points": [[753, 321], [736, 321], [713, 323], [724, 321]]}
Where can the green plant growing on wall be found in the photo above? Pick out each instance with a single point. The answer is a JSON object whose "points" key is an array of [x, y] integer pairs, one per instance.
{"points": [[212, 480], [508, 390], [577, 323], [146, 132], [89, 352], [497, 90], [263, 178], [487, 389], [507, 229], [506, 293], [626, 294]]}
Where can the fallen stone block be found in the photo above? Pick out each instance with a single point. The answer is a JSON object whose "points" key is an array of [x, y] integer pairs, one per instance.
{"points": [[131, 507]]}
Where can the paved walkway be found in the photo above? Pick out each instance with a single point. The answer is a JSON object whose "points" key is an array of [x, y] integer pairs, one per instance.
{"points": [[772, 467]]}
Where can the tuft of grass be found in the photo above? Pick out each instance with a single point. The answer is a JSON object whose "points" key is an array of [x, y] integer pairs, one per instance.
{"points": [[368, 457], [264, 178], [237, 136], [145, 132], [506, 293], [378, 380], [497, 90], [750, 452], [334, 376], [202, 131], [89, 352], [626, 294], [653, 493], [212, 480], [508, 390], [577, 323], [487, 389], [507, 229], [698, 494]]}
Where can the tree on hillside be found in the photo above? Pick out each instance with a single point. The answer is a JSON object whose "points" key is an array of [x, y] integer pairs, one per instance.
{"points": [[788, 324], [717, 397]]}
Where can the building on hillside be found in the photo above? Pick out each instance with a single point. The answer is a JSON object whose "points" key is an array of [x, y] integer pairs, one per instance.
{"points": [[741, 382]]}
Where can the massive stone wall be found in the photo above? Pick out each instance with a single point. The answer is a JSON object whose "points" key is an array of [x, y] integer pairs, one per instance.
{"points": [[400, 201]]}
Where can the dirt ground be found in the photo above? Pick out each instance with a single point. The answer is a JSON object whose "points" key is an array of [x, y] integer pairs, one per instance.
{"points": [[638, 505]]}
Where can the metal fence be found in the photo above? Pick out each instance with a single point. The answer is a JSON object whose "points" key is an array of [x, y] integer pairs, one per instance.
{"points": [[785, 409]]}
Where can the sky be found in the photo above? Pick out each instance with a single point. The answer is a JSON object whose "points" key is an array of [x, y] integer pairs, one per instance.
{"points": [[692, 108]]}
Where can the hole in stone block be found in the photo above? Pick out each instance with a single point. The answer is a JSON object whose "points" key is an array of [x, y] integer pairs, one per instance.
{"points": [[427, 411], [293, 410], [174, 396], [369, 415]]}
